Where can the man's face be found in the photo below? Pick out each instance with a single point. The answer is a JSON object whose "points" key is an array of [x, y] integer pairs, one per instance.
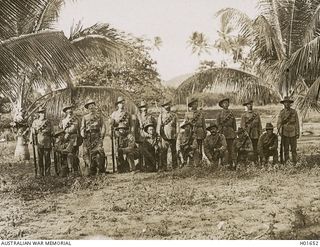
{"points": [[150, 130], [122, 131], [69, 112], [120, 105], [143, 109], [249, 106], [287, 104], [269, 131], [167, 107], [213, 131], [41, 115], [92, 107], [194, 106], [187, 128], [225, 104]]}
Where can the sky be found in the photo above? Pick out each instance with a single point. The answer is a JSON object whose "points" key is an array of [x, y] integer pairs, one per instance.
{"points": [[172, 20]]}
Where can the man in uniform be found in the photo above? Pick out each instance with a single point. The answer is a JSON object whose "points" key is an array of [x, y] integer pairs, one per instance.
{"points": [[71, 127], [60, 157], [187, 145], [227, 126], [127, 150], [93, 131], [42, 131], [196, 118], [242, 148], [167, 129], [251, 122], [120, 115], [268, 145], [151, 147], [289, 129], [215, 146]]}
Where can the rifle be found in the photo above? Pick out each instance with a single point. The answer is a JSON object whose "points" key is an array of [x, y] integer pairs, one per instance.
{"points": [[281, 147], [34, 143], [112, 151], [55, 162]]}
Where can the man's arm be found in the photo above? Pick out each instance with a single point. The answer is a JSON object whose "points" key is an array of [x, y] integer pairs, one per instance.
{"points": [[243, 121]]}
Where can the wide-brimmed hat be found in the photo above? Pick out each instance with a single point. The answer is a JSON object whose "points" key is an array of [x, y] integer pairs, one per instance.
{"points": [[223, 100], [143, 104], [192, 100], [212, 125], [147, 125], [249, 102], [269, 126], [89, 102], [184, 124], [122, 126], [165, 103], [119, 100], [67, 107], [58, 133], [286, 99], [41, 109]]}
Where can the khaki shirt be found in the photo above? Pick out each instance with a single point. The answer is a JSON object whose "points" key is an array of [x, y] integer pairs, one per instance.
{"points": [[92, 123], [288, 123], [251, 122], [144, 119], [213, 143], [199, 123], [242, 144], [266, 142], [71, 127], [43, 130], [168, 122], [227, 123], [120, 117]]}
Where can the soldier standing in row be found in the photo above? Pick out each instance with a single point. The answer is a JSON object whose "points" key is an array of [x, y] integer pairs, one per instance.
{"points": [[151, 147], [227, 126], [215, 146], [93, 131], [167, 129], [196, 118], [242, 148], [127, 150], [187, 145], [60, 154], [289, 129], [71, 127], [251, 122], [42, 132], [268, 145], [120, 115]]}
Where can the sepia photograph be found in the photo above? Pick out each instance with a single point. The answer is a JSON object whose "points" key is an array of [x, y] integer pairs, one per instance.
{"points": [[159, 120]]}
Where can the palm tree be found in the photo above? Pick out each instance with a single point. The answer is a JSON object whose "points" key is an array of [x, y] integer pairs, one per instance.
{"points": [[285, 47], [34, 56], [199, 43]]}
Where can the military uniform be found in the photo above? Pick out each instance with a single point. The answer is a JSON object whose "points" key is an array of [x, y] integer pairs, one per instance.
{"points": [[93, 130], [73, 139], [60, 156], [268, 145], [215, 147], [151, 149], [120, 116], [196, 118], [289, 129], [144, 118], [127, 150], [251, 122], [42, 129], [167, 130], [187, 146], [242, 148], [227, 126]]}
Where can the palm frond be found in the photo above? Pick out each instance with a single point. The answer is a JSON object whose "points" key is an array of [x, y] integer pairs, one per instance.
{"points": [[98, 40], [246, 85], [46, 56]]}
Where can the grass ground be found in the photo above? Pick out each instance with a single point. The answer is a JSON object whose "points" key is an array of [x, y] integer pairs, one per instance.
{"points": [[281, 202]]}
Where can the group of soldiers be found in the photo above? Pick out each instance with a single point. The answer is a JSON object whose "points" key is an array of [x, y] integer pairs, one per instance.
{"points": [[142, 142]]}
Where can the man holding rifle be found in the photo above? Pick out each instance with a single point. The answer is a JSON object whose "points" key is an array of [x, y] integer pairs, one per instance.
{"points": [[93, 130], [289, 130]]}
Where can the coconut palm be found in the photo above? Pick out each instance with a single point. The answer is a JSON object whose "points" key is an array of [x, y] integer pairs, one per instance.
{"points": [[199, 43], [285, 46], [33, 56]]}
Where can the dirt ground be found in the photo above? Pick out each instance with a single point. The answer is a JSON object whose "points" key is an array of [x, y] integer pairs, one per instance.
{"points": [[281, 202]]}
